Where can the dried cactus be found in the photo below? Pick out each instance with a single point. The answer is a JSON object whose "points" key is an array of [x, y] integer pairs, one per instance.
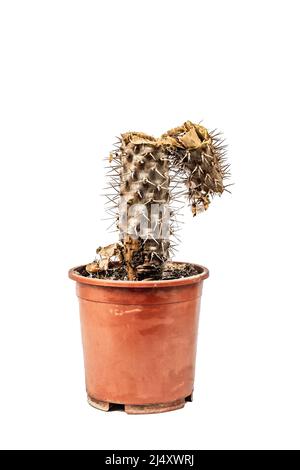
{"points": [[199, 158], [141, 175]]}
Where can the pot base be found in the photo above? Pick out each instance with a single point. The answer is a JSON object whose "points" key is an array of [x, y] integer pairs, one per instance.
{"points": [[139, 409]]}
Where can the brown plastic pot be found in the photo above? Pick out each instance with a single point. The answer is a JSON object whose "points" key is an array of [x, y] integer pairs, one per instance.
{"points": [[139, 341]]}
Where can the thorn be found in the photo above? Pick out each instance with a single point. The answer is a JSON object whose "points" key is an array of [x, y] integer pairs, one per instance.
{"points": [[111, 225], [110, 194], [154, 239], [179, 182], [115, 179], [155, 254], [110, 200], [178, 239], [112, 187], [143, 214], [146, 239], [180, 193], [157, 171], [111, 212], [112, 167]]}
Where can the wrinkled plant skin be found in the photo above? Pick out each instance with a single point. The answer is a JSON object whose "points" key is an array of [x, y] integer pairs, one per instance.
{"points": [[199, 158], [143, 169], [144, 180]]}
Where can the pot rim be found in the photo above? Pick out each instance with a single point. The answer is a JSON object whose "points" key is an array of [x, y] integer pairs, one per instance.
{"points": [[140, 284]]}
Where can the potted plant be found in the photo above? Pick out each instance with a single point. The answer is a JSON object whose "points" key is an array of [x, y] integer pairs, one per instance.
{"points": [[139, 310]]}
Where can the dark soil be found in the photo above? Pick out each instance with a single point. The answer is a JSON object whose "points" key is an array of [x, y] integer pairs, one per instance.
{"points": [[172, 270]]}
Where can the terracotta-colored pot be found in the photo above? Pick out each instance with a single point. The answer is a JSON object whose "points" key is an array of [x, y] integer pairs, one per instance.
{"points": [[139, 341]]}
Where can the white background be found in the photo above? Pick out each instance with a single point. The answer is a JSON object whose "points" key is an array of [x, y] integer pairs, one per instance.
{"points": [[74, 74]]}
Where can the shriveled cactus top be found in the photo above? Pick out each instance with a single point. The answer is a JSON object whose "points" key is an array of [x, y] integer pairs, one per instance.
{"points": [[143, 169], [199, 157]]}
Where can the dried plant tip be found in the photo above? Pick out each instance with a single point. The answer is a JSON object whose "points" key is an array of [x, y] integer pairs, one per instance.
{"points": [[199, 159]]}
